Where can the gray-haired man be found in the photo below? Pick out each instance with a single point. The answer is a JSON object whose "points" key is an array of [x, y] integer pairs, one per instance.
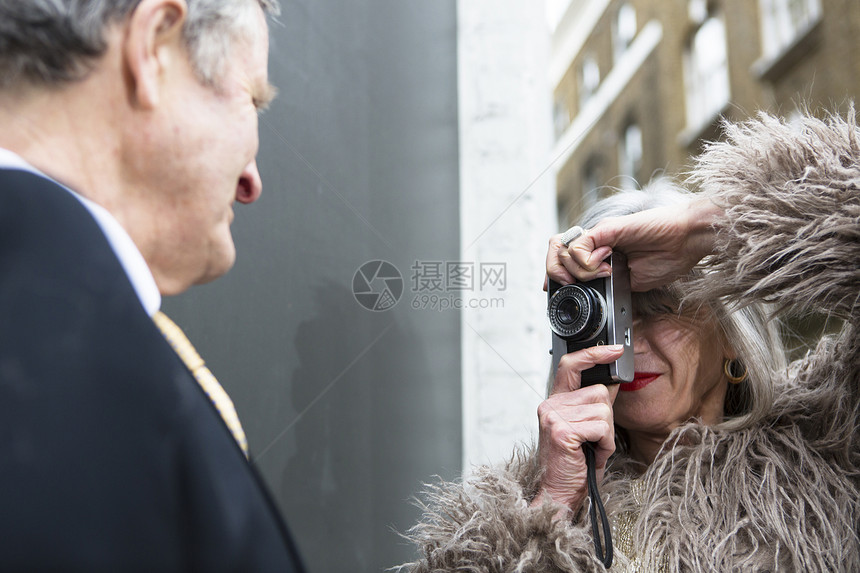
{"points": [[128, 129]]}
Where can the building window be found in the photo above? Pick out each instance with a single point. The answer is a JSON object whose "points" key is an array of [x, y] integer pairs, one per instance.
{"points": [[706, 75], [697, 10], [560, 115], [784, 21], [630, 156], [590, 183], [589, 79], [623, 30]]}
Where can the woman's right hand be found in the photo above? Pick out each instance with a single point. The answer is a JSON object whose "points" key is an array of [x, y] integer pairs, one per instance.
{"points": [[569, 418]]}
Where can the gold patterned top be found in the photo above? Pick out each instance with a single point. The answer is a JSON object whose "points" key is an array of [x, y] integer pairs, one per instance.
{"points": [[622, 531]]}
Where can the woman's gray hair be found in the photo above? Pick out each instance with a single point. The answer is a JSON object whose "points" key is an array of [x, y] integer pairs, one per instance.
{"points": [[750, 329], [51, 42]]}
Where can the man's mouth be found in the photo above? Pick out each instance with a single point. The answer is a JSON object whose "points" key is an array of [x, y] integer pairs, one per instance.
{"points": [[640, 380]]}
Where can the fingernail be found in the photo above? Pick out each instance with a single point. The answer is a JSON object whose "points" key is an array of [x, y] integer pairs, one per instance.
{"points": [[603, 271], [615, 347]]}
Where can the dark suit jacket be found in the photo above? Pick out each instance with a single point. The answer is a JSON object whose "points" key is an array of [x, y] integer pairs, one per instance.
{"points": [[111, 456]]}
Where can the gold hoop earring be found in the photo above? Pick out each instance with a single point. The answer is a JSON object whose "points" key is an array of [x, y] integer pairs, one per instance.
{"points": [[732, 366]]}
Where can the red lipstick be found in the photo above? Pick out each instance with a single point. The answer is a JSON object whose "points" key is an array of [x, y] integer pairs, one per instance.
{"points": [[640, 380]]}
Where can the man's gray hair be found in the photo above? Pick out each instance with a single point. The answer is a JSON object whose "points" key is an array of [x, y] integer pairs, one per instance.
{"points": [[50, 42]]}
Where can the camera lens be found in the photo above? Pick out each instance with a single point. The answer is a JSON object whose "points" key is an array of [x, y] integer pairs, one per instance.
{"points": [[577, 312], [568, 311]]}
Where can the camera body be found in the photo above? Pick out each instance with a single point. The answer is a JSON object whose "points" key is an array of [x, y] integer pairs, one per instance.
{"points": [[593, 313]]}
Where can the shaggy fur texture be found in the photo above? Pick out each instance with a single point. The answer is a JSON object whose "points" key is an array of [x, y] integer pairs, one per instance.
{"points": [[782, 494]]}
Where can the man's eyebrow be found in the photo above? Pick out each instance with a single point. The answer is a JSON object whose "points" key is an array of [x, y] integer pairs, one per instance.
{"points": [[264, 95]]}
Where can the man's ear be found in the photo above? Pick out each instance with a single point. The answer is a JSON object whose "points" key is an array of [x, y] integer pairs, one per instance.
{"points": [[152, 37]]}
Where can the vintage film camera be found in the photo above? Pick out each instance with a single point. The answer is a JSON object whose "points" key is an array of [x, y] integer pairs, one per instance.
{"points": [[592, 313]]}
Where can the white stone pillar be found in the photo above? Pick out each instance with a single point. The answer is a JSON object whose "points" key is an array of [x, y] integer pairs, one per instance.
{"points": [[507, 213]]}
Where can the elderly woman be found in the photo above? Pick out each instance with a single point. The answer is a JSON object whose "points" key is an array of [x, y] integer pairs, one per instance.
{"points": [[718, 456]]}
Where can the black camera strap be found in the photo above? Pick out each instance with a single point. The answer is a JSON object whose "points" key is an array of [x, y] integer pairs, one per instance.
{"points": [[597, 506]]}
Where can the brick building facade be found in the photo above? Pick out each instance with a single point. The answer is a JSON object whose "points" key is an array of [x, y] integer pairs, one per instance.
{"points": [[640, 84]]}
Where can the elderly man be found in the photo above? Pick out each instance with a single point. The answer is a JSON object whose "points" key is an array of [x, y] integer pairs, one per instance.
{"points": [[128, 128]]}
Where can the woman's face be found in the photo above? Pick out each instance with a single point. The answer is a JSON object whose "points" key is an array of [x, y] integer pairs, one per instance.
{"points": [[679, 371]]}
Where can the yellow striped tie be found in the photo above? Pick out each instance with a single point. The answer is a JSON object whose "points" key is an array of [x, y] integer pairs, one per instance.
{"points": [[204, 377]]}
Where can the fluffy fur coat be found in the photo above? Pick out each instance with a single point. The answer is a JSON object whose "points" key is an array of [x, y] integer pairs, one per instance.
{"points": [[783, 495]]}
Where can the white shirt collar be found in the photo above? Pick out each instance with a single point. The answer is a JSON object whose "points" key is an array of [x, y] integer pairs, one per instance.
{"points": [[126, 251]]}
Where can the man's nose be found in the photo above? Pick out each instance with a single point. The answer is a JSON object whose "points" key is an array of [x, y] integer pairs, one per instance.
{"points": [[250, 185]]}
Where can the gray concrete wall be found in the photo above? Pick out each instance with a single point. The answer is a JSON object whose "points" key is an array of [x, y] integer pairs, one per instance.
{"points": [[347, 410]]}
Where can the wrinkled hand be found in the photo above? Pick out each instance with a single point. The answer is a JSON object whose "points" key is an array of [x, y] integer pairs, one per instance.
{"points": [[570, 417], [661, 245]]}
